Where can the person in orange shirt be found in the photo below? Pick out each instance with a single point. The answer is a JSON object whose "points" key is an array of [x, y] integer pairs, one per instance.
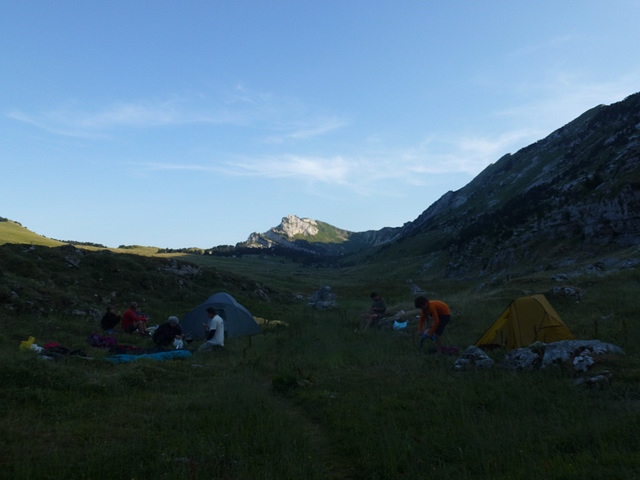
{"points": [[441, 315]]}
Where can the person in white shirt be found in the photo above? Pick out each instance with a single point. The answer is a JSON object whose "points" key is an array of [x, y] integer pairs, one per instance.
{"points": [[215, 329]]}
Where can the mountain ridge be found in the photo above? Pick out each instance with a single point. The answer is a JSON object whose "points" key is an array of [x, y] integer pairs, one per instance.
{"points": [[573, 193], [579, 187]]}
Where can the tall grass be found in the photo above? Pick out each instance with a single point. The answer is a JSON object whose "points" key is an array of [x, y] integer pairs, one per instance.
{"points": [[312, 397]]}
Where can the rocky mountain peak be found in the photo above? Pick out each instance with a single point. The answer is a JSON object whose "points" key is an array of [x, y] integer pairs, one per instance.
{"points": [[292, 225]]}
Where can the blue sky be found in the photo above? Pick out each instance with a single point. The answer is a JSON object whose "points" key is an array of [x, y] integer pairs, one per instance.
{"points": [[195, 123]]}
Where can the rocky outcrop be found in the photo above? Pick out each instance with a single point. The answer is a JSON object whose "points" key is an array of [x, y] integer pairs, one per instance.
{"points": [[576, 355], [292, 226]]}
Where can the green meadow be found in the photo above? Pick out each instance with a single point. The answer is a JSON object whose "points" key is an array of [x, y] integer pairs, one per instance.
{"points": [[310, 397]]}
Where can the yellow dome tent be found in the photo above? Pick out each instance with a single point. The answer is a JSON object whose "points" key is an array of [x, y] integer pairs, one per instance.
{"points": [[526, 320]]}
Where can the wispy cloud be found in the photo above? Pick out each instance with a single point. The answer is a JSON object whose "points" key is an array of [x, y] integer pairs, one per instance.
{"points": [[365, 169], [384, 171], [159, 166], [287, 133], [82, 122], [54, 122], [322, 127], [276, 119], [450, 155], [335, 170]]}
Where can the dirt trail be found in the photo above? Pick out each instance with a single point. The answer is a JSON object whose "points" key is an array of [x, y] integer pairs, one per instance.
{"points": [[335, 465]]}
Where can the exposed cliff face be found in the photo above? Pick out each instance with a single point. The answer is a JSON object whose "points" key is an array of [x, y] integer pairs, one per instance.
{"points": [[292, 226]]}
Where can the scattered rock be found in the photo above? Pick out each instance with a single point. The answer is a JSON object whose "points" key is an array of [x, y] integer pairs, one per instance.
{"points": [[473, 358], [72, 262], [323, 299], [578, 355], [599, 381], [416, 291], [71, 249], [261, 294], [595, 267], [573, 293], [178, 268]]}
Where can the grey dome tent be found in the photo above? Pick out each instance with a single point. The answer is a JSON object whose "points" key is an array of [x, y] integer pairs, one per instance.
{"points": [[238, 322]]}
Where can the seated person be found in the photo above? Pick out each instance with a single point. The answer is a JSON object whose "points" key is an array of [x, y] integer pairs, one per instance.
{"points": [[140, 314], [133, 321], [215, 331], [166, 333], [110, 319], [376, 312]]}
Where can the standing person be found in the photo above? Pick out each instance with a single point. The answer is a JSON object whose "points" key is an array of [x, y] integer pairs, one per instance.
{"points": [[168, 332], [110, 319], [441, 315], [376, 312], [215, 331], [134, 322]]}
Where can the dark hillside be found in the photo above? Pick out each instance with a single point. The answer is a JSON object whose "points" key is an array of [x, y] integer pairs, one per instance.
{"points": [[43, 281], [572, 195]]}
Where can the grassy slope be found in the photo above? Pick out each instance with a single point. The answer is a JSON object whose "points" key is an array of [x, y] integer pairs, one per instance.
{"points": [[326, 234], [310, 398], [12, 232]]}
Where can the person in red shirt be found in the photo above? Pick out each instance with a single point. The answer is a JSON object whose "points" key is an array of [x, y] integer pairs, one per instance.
{"points": [[133, 321], [441, 315]]}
